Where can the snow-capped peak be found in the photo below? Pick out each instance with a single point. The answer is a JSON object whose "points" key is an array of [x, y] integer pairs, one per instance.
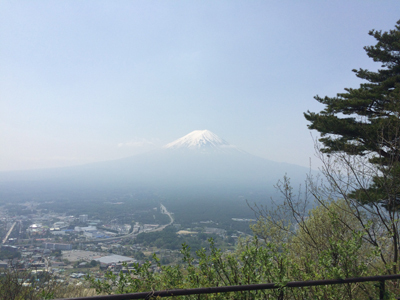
{"points": [[198, 139]]}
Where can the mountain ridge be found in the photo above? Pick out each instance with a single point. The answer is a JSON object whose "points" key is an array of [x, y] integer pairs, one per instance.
{"points": [[199, 160]]}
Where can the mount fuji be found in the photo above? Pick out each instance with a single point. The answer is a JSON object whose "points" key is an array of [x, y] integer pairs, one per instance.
{"points": [[199, 140], [199, 161]]}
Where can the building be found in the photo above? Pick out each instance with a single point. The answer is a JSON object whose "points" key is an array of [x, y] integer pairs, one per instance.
{"points": [[36, 229], [114, 259], [56, 246], [60, 225], [83, 218], [85, 229]]}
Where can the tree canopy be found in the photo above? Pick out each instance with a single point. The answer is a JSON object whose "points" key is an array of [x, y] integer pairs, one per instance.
{"points": [[356, 121], [366, 121]]}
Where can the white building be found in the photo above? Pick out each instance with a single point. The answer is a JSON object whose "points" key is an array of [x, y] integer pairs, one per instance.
{"points": [[83, 218], [85, 229]]}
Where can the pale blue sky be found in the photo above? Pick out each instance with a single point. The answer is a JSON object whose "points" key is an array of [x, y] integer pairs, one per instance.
{"points": [[83, 81]]}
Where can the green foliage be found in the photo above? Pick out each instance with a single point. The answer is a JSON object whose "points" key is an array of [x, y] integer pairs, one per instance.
{"points": [[57, 253], [7, 254], [326, 243], [168, 239], [256, 261], [368, 108], [94, 263], [360, 151], [22, 284], [366, 121], [220, 211]]}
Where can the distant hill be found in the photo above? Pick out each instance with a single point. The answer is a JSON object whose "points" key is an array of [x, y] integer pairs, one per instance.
{"points": [[200, 161]]}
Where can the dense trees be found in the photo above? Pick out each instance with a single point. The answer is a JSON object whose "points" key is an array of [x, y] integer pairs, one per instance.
{"points": [[355, 121], [168, 239], [360, 132], [365, 121], [259, 261]]}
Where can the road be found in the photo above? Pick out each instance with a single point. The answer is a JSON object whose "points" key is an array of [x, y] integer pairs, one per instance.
{"points": [[9, 232], [165, 212], [132, 235]]}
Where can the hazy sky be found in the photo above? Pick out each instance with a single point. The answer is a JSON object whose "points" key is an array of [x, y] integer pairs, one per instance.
{"points": [[83, 81]]}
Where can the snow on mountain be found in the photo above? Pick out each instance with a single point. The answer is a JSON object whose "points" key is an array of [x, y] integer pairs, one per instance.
{"points": [[198, 139], [199, 161]]}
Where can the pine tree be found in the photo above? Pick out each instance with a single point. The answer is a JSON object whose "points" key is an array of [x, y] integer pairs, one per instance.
{"points": [[366, 121]]}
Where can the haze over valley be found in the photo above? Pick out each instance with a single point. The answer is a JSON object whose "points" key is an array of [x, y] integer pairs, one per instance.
{"points": [[199, 177], [208, 186], [175, 144], [200, 162]]}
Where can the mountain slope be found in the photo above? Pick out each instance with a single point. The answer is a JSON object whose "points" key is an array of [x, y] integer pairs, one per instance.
{"points": [[198, 161]]}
